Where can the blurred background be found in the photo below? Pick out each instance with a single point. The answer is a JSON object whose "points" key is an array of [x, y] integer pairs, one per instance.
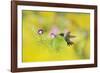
{"points": [[43, 28]]}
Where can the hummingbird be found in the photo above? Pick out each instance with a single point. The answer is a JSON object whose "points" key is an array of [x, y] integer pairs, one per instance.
{"points": [[67, 37]]}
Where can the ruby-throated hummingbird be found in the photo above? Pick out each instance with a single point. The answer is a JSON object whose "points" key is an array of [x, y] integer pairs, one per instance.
{"points": [[67, 37]]}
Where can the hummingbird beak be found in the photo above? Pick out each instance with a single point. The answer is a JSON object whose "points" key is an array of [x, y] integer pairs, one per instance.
{"points": [[61, 34]]}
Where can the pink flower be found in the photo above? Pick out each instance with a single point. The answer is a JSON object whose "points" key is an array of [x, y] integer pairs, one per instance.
{"points": [[40, 31], [53, 32]]}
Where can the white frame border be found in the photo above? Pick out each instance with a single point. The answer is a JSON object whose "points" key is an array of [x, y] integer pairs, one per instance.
{"points": [[52, 63]]}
